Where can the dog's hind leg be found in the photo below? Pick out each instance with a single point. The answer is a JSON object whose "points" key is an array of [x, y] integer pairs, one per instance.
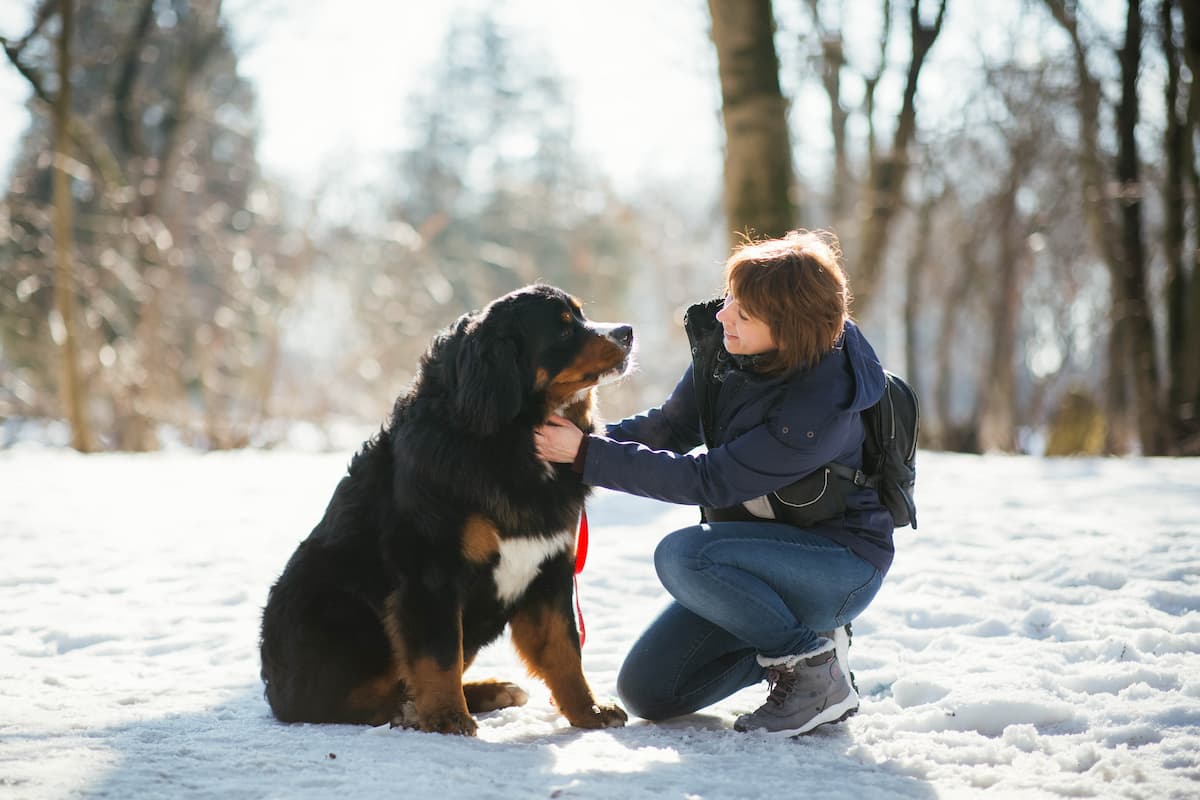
{"points": [[493, 695], [325, 658], [378, 701]]}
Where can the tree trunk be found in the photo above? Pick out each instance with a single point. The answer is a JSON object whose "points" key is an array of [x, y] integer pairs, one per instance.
{"points": [[71, 390], [1180, 415], [1189, 381], [1105, 237], [871, 82], [833, 60], [997, 428], [1131, 302], [884, 195], [962, 437], [758, 160], [885, 190], [913, 299], [152, 158]]}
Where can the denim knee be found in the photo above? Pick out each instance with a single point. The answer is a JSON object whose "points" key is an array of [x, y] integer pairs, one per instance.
{"points": [[635, 688], [674, 556]]}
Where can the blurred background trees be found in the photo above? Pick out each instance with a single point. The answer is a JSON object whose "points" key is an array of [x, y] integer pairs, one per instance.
{"points": [[1018, 214], [182, 264]]}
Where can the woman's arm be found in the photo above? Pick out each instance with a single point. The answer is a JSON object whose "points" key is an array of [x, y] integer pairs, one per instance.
{"points": [[754, 464], [675, 425]]}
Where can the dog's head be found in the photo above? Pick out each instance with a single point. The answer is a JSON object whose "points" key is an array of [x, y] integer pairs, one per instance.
{"points": [[533, 351]]}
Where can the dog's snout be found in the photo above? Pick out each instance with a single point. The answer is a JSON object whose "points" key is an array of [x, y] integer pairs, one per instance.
{"points": [[623, 335]]}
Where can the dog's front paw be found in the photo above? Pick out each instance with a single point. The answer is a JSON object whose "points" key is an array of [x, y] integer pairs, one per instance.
{"points": [[448, 721], [600, 717]]}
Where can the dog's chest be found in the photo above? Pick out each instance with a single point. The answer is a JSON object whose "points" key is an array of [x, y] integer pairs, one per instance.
{"points": [[520, 560]]}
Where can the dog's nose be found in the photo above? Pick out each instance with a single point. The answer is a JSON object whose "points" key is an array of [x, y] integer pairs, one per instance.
{"points": [[623, 335]]}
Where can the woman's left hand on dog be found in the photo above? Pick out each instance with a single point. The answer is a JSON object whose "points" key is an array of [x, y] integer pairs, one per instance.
{"points": [[557, 441]]}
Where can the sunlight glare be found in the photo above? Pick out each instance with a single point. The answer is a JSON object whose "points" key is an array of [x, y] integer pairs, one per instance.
{"points": [[599, 751]]}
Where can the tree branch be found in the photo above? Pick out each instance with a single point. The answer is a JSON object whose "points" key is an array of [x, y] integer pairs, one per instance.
{"points": [[128, 130], [89, 144]]}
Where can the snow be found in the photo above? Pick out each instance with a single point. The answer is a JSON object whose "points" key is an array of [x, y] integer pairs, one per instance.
{"points": [[1037, 637]]}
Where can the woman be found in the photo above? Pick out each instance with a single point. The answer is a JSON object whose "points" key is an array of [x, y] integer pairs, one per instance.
{"points": [[779, 377]]}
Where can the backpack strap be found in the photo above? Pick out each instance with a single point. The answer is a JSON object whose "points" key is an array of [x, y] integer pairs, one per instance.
{"points": [[855, 476], [702, 326]]}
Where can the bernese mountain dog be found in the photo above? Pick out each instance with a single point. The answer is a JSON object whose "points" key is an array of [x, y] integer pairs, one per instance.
{"points": [[445, 529]]}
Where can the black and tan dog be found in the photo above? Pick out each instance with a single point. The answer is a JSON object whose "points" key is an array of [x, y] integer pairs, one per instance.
{"points": [[446, 528]]}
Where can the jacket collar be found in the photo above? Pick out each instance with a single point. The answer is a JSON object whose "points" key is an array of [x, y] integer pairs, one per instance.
{"points": [[702, 328]]}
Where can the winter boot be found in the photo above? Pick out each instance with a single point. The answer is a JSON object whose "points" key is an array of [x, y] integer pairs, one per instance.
{"points": [[807, 690], [842, 638]]}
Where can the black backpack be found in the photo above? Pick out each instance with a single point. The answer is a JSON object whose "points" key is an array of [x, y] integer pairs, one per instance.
{"points": [[890, 450]]}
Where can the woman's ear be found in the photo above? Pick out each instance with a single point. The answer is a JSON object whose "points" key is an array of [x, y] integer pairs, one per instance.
{"points": [[490, 391]]}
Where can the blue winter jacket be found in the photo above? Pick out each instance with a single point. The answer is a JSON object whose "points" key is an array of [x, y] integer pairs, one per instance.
{"points": [[764, 433]]}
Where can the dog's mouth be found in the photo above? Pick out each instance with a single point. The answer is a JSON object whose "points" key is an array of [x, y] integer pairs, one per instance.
{"points": [[613, 349], [606, 357]]}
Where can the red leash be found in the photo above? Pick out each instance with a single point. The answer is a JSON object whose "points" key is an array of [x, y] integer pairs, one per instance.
{"points": [[581, 546]]}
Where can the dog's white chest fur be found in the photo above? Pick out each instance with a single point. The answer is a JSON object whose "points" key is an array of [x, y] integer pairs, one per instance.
{"points": [[520, 560]]}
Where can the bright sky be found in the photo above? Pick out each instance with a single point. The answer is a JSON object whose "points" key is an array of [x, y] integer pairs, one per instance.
{"points": [[333, 76]]}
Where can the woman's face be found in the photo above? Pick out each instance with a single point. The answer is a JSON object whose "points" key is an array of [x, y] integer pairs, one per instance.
{"points": [[744, 335]]}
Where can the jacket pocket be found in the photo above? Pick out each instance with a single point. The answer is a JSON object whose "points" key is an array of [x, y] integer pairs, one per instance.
{"points": [[817, 497]]}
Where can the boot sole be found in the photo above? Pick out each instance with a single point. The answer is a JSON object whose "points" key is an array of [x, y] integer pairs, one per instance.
{"points": [[832, 715]]}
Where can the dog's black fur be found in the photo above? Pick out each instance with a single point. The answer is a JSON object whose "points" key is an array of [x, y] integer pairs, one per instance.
{"points": [[446, 528]]}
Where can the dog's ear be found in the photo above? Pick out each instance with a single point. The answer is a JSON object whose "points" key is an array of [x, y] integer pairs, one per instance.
{"points": [[490, 391]]}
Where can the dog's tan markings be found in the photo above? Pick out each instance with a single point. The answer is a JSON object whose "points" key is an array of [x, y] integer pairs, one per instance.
{"points": [[541, 378], [597, 356], [551, 653], [437, 695], [492, 695], [580, 412], [433, 697], [480, 540], [391, 626], [376, 701]]}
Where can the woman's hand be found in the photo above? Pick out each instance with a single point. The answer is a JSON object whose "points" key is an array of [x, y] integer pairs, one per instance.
{"points": [[558, 440]]}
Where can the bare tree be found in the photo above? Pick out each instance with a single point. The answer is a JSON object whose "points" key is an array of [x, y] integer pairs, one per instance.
{"points": [[1129, 301], [916, 270], [885, 182], [181, 262], [1174, 233], [758, 163], [71, 390], [1183, 273], [997, 412], [1097, 203], [947, 433], [833, 61]]}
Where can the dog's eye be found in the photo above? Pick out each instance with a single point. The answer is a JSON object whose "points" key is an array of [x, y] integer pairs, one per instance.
{"points": [[566, 333]]}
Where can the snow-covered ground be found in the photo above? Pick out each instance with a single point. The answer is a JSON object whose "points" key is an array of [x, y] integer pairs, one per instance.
{"points": [[1039, 636]]}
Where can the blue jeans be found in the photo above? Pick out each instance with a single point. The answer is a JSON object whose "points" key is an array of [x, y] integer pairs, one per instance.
{"points": [[740, 589]]}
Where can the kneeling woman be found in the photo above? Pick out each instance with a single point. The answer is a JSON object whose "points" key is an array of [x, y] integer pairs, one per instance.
{"points": [[778, 381]]}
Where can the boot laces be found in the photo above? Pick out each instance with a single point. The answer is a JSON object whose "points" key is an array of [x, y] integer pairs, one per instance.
{"points": [[781, 681]]}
